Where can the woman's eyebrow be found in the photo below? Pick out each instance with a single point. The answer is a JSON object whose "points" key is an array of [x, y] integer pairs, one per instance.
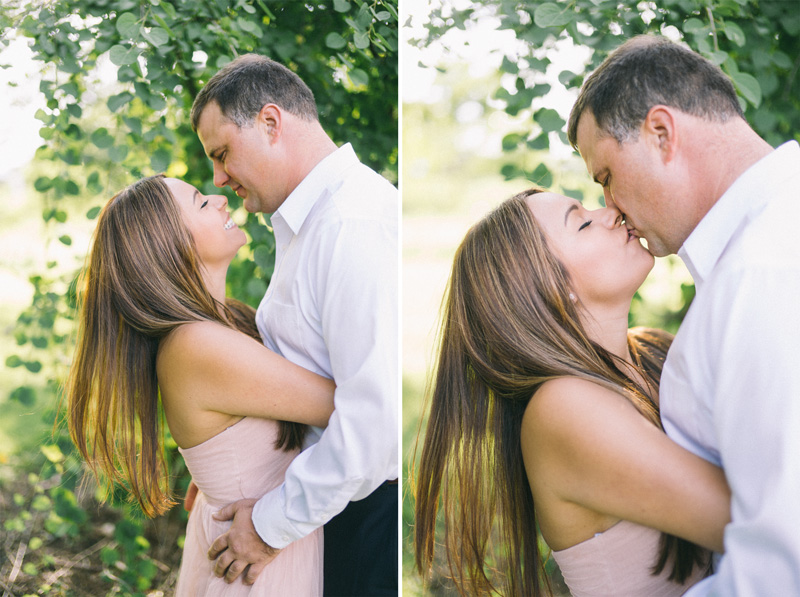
{"points": [[570, 209]]}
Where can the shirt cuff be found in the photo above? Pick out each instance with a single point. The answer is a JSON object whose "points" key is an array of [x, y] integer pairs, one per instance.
{"points": [[270, 522]]}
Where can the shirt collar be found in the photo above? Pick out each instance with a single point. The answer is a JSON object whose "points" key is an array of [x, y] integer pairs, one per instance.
{"points": [[744, 198], [327, 173]]}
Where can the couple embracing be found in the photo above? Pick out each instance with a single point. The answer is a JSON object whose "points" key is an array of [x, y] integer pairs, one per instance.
{"points": [[286, 416], [651, 466]]}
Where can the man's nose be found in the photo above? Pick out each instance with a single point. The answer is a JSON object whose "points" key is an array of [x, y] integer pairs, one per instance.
{"points": [[221, 177]]}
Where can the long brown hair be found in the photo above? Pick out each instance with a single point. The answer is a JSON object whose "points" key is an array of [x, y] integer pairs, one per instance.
{"points": [[143, 279], [508, 326]]}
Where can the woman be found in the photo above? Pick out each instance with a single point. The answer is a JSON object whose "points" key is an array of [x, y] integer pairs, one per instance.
{"points": [[544, 412], [155, 319]]}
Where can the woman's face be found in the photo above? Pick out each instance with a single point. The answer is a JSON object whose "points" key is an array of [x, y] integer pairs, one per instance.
{"points": [[215, 235], [606, 263]]}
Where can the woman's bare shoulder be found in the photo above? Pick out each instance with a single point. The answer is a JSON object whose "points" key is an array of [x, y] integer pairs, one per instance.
{"points": [[565, 408]]}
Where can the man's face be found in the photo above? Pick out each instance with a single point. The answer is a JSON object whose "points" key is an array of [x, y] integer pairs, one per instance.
{"points": [[635, 179], [246, 159]]}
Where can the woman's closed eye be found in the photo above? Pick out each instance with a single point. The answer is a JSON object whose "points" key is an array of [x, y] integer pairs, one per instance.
{"points": [[204, 204], [584, 225]]}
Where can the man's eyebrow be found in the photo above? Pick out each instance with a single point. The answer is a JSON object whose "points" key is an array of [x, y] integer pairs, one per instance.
{"points": [[570, 209]]}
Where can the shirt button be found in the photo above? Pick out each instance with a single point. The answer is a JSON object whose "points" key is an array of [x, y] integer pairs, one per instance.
{"points": [[285, 538]]}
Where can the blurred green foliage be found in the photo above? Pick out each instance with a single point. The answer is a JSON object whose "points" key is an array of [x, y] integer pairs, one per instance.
{"points": [[119, 78], [755, 42]]}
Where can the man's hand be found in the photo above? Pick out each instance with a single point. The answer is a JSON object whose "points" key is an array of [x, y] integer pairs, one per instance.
{"points": [[240, 549]]}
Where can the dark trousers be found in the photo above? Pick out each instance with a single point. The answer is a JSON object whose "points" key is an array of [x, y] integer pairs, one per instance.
{"points": [[361, 547]]}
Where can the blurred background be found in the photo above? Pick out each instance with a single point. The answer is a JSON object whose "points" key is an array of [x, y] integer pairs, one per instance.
{"points": [[95, 94], [486, 90]]}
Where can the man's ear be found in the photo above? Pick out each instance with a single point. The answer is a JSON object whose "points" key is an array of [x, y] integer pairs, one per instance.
{"points": [[660, 128], [271, 118]]}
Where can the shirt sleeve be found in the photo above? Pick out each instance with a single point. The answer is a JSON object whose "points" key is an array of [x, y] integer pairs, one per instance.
{"points": [[356, 291], [757, 422]]}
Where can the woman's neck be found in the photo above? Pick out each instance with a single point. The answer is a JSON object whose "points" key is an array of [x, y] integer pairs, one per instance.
{"points": [[216, 283], [609, 329]]}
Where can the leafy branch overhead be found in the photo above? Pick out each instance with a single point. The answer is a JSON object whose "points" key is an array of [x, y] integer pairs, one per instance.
{"points": [[755, 42]]}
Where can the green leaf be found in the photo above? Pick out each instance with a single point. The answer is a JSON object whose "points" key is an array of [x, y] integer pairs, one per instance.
{"points": [[128, 25], [359, 77], [102, 139], [511, 141], [133, 124], [33, 366], [93, 213], [748, 87], [65, 239], [43, 116], [565, 76], [263, 257], [539, 143], [156, 36], [693, 25], [160, 160], [43, 184], [249, 26], [553, 15], [734, 33], [361, 40], [13, 361], [781, 60], [335, 41], [24, 395], [118, 153], [71, 188], [549, 120], [121, 56], [511, 171], [169, 9], [542, 176], [717, 56], [341, 5], [508, 66], [115, 102]]}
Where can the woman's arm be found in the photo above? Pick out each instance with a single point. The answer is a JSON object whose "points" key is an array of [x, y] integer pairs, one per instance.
{"points": [[222, 370], [598, 452]]}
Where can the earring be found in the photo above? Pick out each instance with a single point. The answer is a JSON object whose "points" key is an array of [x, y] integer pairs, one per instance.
{"points": [[572, 297]]}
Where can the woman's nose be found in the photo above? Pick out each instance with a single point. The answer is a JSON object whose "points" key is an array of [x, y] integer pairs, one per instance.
{"points": [[611, 216], [222, 201]]}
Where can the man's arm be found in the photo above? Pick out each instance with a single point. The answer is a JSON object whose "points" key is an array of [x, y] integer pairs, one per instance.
{"points": [[358, 305], [757, 421]]}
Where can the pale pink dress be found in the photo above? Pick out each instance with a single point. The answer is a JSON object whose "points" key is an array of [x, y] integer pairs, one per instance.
{"points": [[617, 563], [242, 462]]}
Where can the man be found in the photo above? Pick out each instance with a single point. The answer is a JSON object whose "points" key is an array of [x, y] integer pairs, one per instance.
{"points": [[332, 307], [661, 129]]}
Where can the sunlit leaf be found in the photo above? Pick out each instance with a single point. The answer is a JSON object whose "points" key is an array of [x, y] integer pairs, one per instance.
{"points": [[550, 14]]}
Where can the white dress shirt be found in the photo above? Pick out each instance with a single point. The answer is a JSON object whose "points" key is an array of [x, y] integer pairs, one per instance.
{"points": [[332, 307], [730, 389]]}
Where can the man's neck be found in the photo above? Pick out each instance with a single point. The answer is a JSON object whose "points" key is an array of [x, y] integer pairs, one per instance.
{"points": [[310, 145], [722, 153]]}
